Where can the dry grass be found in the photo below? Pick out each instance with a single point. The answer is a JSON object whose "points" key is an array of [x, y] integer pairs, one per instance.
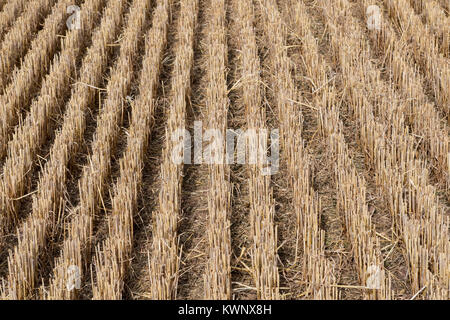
{"points": [[358, 209]]}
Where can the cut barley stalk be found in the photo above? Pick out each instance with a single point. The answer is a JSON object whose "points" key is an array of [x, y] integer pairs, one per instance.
{"points": [[22, 261], [217, 278], [164, 255], [112, 255], [33, 132], [18, 38]]}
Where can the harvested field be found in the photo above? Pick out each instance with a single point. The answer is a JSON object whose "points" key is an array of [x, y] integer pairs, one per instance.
{"points": [[224, 149]]}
